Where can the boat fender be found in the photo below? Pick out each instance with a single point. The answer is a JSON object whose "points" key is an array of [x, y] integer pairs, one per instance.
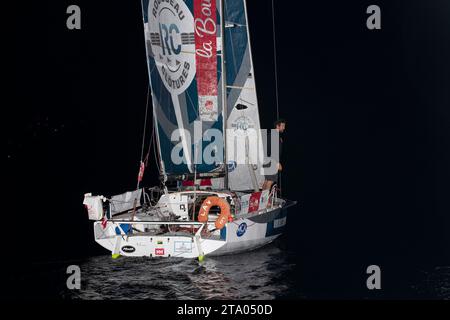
{"points": [[225, 211]]}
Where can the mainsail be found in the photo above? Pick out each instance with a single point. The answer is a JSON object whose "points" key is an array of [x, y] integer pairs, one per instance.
{"points": [[184, 55], [184, 69]]}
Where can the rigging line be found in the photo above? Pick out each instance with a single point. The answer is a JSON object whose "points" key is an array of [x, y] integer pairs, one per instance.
{"points": [[156, 146], [152, 142], [275, 57], [276, 75], [155, 152], [145, 123], [231, 37], [190, 99], [145, 128]]}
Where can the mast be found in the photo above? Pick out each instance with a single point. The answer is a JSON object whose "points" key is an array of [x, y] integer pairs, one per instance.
{"points": [[224, 90]]}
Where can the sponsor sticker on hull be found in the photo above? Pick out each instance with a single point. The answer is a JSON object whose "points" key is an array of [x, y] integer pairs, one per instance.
{"points": [[128, 249], [278, 223], [183, 246], [241, 229]]}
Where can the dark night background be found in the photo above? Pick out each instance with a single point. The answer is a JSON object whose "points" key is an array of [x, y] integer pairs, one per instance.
{"points": [[367, 142]]}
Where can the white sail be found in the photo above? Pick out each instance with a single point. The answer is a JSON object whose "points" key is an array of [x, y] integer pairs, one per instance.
{"points": [[244, 142]]}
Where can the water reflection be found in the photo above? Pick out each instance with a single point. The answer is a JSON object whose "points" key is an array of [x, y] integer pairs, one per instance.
{"points": [[259, 274]]}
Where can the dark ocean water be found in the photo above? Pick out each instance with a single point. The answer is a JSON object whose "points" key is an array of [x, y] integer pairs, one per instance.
{"points": [[259, 274], [271, 272]]}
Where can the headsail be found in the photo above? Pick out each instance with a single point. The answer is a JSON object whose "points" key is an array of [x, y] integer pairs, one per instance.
{"points": [[184, 69], [244, 141]]}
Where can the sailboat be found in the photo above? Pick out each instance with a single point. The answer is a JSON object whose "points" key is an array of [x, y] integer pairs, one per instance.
{"points": [[207, 141]]}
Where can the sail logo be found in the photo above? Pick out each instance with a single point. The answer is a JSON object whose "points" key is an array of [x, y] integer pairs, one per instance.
{"points": [[167, 38], [231, 166], [170, 31], [205, 26], [209, 105], [241, 125], [155, 7]]}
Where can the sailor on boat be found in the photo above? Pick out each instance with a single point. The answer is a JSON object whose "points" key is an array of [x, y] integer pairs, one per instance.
{"points": [[270, 180]]}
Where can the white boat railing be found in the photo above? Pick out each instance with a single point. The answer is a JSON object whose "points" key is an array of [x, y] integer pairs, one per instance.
{"points": [[238, 216], [156, 222]]}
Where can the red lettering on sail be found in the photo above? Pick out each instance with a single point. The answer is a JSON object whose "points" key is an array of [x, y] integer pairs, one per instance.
{"points": [[205, 26]]}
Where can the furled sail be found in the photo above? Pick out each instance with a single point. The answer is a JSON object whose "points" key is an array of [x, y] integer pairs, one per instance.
{"points": [[184, 69], [244, 140]]}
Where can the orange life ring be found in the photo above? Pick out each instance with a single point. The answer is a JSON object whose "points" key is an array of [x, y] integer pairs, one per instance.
{"points": [[225, 211]]}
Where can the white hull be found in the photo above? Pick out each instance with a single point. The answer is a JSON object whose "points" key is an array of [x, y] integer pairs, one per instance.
{"points": [[243, 234]]}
